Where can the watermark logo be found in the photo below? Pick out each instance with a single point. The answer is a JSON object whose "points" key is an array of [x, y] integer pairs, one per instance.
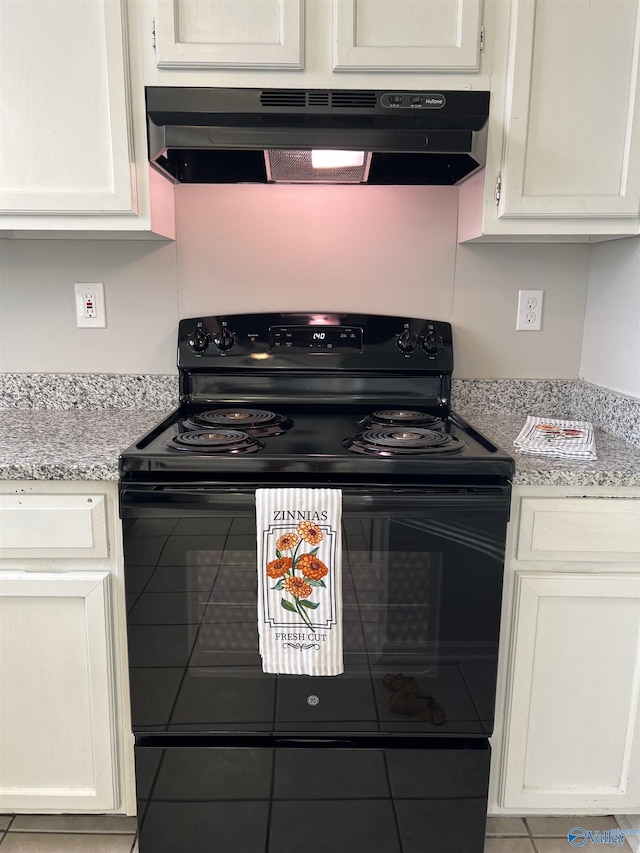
{"points": [[579, 837]]}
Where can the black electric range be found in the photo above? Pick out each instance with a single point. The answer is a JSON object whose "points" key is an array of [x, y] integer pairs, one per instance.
{"points": [[392, 754]]}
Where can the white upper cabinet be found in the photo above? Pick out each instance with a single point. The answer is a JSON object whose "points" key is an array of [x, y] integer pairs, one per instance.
{"points": [[564, 132], [68, 150], [369, 35], [563, 135], [64, 146], [230, 33], [314, 44], [407, 35], [573, 129]]}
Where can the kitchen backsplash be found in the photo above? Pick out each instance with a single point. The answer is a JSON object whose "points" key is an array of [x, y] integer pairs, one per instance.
{"points": [[615, 413], [389, 250], [379, 249]]}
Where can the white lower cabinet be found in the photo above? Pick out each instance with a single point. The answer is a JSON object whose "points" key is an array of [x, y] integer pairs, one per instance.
{"points": [[65, 741], [567, 735], [572, 738], [56, 707]]}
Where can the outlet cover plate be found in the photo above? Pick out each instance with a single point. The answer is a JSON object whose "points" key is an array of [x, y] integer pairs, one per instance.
{"points": [[529, 317], [90, 307]]}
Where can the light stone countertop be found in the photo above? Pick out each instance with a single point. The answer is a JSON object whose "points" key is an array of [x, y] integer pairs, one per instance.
{"points": [[84, 444], [39, 444], [618, 463]]}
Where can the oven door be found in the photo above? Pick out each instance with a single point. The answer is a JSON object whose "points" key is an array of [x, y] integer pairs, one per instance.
{"points": [[422, 582]]}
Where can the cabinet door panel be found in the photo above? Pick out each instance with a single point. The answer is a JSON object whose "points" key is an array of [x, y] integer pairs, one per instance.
{"points": [[56, 705], [65, 141], [53, 526], [572, 734], [406, 35], [229, 33], [573, 110], [591, 530]]}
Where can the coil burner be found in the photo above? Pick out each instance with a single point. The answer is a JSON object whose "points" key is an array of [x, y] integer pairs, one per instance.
{"points": [[403, 441], [402, 417], [215, 441], [256, 422]]}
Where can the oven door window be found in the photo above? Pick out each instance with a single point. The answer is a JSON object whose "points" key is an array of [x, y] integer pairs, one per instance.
{"points": [[422, 582]]}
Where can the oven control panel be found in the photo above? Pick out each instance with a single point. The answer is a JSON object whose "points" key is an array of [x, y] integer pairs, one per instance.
{"points": [[322, 341], [315, 339]]}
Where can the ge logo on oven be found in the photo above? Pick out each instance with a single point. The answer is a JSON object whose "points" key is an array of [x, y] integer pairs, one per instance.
{"points": [[312, 700]]}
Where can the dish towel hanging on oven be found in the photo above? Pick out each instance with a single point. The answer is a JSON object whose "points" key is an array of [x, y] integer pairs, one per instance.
{"points": [[300, 580]]}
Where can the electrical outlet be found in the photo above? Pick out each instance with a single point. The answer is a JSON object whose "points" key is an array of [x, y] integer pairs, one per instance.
{"points": [[90, 307], [529, 310]]}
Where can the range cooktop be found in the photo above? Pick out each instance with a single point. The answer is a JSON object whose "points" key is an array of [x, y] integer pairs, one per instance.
{"points": [[323, 440], [316, 395]]}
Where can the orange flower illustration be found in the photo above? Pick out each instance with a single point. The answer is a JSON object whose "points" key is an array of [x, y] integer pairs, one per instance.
{"points": [[278, 568], [298, 587], [310, 532], [312, 570], [311, 567], [287, 541]]}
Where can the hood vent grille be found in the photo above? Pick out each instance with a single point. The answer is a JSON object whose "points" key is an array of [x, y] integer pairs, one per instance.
{"points": [[318, 99], [297, 98], [283, 98], [357, 100]]}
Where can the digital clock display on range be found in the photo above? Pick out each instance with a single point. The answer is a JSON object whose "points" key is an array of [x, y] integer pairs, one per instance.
{"points": [[324, 339]]}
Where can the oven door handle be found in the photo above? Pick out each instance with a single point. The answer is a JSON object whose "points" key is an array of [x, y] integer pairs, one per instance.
{"points": [[232, 500]]}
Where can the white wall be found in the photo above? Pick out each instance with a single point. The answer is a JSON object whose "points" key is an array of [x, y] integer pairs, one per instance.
{"points": [[37, 306], [380, 249], [254, 248], [611, 343]]}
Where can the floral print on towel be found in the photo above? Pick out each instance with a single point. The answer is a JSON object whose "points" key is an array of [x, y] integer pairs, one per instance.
{"points": [[300, 572]]}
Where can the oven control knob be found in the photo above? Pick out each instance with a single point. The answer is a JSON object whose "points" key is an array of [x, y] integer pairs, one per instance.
{"points": [[224, 339], [406, 341], [430, 343], [199, 340]]}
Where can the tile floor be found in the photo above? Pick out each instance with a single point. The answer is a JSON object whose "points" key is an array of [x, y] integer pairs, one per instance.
{"points": [[109, 834], [544, 834]]}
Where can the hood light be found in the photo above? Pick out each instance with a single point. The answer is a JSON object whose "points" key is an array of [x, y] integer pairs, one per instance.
{"points": [[318, 166], [336, 159]]}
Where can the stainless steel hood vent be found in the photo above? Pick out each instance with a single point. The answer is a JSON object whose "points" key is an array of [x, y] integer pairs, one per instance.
{"points": [[237, 135]]}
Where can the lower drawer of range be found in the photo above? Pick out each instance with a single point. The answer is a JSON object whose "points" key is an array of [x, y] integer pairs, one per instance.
{"points": [[317, 796]]}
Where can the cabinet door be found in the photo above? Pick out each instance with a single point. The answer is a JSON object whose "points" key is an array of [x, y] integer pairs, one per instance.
{"points": [[572, 737], [65, 142], [53, 526], [406, 35], [602, 530], [572, 120], [229, 34], [56, 705]]}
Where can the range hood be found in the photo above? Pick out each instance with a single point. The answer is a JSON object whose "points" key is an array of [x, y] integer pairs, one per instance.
{"points": [[222, 135]]}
